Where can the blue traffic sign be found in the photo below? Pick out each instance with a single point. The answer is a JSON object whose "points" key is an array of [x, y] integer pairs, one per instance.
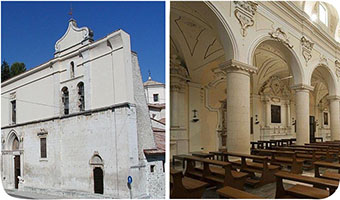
{"points": [[129, 179]]}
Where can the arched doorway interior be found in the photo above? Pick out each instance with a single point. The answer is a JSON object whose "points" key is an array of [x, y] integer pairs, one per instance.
{"points": [[98, 180], [15, 146], [97, 164]]}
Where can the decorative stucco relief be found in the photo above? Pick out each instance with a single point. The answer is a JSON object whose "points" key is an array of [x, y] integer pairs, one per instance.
{"points": [[337, 68], [244, 12], [178, 72], [274, 86], [281, 36], [307, 48], [323, 60]]}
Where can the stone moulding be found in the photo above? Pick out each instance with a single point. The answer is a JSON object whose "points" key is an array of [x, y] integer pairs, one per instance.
{"points": [[244, 13], [302, 87], [334, 97], [307, 48], [233, 65], [281, 36]]}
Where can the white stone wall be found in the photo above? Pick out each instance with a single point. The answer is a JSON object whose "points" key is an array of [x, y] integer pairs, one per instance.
{"points": [[106, 71], [71, 142]]}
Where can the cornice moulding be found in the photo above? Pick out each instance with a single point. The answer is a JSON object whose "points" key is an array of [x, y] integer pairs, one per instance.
{"points": [[234, 65], [334, 97], [302, 87]]}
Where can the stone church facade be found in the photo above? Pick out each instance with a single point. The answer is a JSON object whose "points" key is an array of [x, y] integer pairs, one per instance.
{"points": [[243, 71], [78, 125]]}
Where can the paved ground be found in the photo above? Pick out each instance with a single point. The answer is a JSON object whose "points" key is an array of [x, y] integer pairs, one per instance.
{"points": [[30, 195]]}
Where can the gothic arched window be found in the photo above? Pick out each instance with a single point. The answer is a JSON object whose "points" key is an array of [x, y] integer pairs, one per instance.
{"points": [[65, 100], [15, 144], [72, 69], [81, 96]]}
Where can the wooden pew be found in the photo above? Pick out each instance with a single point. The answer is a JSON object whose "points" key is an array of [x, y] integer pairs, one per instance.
{"points": [[233, 193], [326, 152], [254, 164], [185, 187], [178, 157], [213, 175], [309, 155], [283, 158], [256, 145], [327, 174], [303, 191], [203, 155]]}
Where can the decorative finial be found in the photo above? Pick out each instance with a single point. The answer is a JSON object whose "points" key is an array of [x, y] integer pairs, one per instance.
{"points": [[149, 75]]}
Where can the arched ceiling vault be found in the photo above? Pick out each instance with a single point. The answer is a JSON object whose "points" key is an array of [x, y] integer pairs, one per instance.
{"points": [[271, 60], [194, 35]]}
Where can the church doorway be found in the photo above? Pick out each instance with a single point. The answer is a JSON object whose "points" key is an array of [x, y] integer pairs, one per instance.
{"points": [[16, 171], [98, 180]]}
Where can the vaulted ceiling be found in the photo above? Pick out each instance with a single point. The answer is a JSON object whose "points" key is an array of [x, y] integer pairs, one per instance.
{"points": [[193, 36]]}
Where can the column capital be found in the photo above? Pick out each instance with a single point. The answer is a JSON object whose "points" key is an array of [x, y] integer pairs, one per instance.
{"points": [[265, 99], [234, 65], [300, 87], [334, 98]]}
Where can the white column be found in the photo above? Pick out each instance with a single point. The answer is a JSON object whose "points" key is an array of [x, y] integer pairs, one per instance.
{"points": [[268, 111], [335, 117], [289, 124], [302, 113], [238, 105]]}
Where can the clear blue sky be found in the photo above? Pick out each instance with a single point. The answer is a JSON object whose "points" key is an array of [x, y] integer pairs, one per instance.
{"points": [[29, 30]]}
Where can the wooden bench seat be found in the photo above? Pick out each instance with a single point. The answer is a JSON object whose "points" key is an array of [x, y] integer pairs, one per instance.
{"points": [[278, 157], [304, 191], [327, 174], [309, 155], [232, 193], [221, 171], [313, 193], [247, 164], [330, 175], [185, 187], [229, 178]]}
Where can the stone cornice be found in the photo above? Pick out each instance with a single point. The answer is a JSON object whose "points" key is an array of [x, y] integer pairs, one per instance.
{"points": [[334, 97], [302, 87], [234, 65]]}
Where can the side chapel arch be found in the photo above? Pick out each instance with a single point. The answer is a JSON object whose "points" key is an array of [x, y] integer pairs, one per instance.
{"points": [[294, 64]]}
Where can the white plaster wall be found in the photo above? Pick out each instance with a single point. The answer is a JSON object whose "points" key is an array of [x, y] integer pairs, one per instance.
{"points": [[100, 67]]}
